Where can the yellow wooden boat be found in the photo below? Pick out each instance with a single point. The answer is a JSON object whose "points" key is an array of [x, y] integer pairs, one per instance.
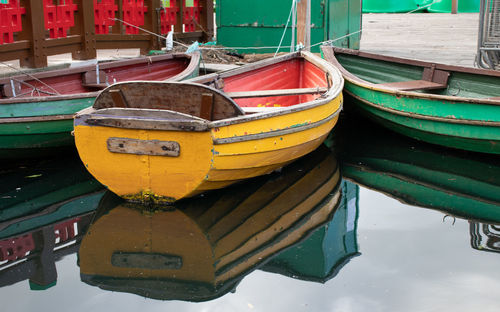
{"points": [[202, 248], [163, 141]]}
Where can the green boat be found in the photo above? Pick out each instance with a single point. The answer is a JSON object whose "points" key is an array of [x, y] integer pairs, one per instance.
{"points": [[36, 109], [452, 106], [458, 183]]}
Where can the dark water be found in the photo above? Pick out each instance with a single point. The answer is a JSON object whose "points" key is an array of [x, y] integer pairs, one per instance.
{"points": [[375, 222]]}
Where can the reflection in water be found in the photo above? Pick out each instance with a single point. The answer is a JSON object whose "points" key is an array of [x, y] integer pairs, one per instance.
{"points": [[463, 184], [328, 249], [203, 247], [485, 237], [45, 207]]}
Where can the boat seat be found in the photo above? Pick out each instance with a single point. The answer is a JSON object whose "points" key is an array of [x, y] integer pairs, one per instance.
{"points": [[278, 92], [432, 79]]}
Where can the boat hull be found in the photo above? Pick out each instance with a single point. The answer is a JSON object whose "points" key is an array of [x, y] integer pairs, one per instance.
{"points": [[208, 160], [404, 115], [447, 105]]}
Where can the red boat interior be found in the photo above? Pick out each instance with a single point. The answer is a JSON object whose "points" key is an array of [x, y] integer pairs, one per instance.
{"points": [[297, 73], [85, 79]]}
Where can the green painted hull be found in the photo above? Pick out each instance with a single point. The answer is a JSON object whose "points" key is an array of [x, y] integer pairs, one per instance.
{"points": [[46, 130], [32, 124], [458, 116], [458, 183]]}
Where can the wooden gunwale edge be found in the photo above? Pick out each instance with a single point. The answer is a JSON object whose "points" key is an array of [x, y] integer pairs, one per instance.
{"points": [[194, 63], [329, 55], [11, 120], [426, 117], [275, 133]]}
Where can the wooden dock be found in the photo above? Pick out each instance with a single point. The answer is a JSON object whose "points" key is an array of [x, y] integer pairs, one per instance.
{"points": [[441, 38]]}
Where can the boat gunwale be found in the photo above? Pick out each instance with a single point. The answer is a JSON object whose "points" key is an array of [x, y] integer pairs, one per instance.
{"points": [[43, 118], [194, 60], [451, 120], [270, 134], [333, 92], [330, 51]]}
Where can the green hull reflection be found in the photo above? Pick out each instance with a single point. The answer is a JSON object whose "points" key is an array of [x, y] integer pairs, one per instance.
{"points": [[45, 207], [320, 257], [203, 247], [462, 184]]}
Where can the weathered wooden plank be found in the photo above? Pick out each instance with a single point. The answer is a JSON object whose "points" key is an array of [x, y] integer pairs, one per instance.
{"points": [[281, 92], [144, 147], [147, 124], [207, 106]]}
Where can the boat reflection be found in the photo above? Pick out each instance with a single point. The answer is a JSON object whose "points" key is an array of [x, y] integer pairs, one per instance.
{"points": [[203, 247], [45, 207], [485, 237], [321, 256], [462, 184]]}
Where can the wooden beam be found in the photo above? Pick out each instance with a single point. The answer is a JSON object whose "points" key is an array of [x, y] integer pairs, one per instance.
{"points": [[304, 22], [454, 6], [280, 92]]}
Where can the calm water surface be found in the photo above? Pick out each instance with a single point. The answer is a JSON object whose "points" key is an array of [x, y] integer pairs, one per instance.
{"points": [[336, 231]]}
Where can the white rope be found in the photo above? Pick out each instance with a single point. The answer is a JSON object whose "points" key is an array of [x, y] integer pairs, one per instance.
{"points": [[286, 26], [147, 31]]}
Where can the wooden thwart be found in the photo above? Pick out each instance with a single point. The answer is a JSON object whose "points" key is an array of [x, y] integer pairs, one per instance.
{"points": [[143, 147], [432, 79], [413, 85], [280, 92]]}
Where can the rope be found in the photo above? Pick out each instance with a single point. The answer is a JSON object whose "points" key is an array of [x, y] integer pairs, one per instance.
{"points": [[286, 26], [147, 31], [32, 77]]}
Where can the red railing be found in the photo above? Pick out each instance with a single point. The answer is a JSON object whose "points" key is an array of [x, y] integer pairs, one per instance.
{"points": [[31, 30]]}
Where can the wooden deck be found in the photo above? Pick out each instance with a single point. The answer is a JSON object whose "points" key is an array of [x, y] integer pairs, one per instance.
{"points": [[441, 38]]}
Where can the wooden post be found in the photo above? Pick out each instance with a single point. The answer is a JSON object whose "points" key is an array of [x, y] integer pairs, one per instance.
{"points": [[151, 23], [34, 31], [454, 6], [180, 22], [85, 25], [304, 23], [207, 19]]}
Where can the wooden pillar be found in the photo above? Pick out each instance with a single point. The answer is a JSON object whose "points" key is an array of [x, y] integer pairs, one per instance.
{"points": [[34, 32], [153, 23], [85, 25], [454, 6], [304, 22], [180, 21], [207, 19]]}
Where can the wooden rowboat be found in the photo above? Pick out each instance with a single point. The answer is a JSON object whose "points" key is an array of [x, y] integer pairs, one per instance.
{"points": [[453, 106], [201, 248], [165, 141], [36, 110]]}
